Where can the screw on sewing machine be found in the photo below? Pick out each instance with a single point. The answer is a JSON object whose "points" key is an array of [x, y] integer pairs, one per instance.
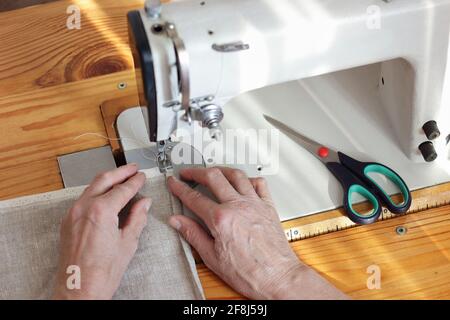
{"points": [[122, 86], [431, 130], [157, 28], [428, 152], [401, 230]]}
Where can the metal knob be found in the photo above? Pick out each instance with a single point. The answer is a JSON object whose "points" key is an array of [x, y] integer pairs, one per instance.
{"points": [[428, 152], [431, 130], [212, 115], [153, 8]]}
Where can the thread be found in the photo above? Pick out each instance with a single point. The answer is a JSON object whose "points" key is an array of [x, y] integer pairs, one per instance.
{"points": [[219, 84], [140, 142]]}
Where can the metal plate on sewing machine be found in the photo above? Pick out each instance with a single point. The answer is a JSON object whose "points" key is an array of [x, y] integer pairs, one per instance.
{"points": [[146, 158], [195, 158], [80, 168], [138, 149]]}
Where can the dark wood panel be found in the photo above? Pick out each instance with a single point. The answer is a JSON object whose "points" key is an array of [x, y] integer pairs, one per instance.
{"points": [[6, 5]]}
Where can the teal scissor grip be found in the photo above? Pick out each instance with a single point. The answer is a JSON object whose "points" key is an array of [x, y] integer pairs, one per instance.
{"points": [[356, 188], [395, 178], [362, 170], [351, 184]]}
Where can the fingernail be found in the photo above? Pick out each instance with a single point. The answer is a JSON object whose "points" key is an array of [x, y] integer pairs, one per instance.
{"points": [[175, 223], [133, 164], [171, 178], [148, 204]]}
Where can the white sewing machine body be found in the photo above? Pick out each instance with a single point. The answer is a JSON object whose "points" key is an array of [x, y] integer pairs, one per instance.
{"points": [[362, 76]]}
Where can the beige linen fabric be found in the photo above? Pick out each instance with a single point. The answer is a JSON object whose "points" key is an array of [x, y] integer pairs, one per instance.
{"points": [[163, 267]]}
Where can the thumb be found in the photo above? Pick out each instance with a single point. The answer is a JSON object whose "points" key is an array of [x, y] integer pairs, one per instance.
{"points": [[196, 236], [137, 219]]}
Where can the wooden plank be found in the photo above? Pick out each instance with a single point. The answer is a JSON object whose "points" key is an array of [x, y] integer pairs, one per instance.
{"points": [[111, 109], [30, 178], [38, 50], [43, 124], [413, 266]]}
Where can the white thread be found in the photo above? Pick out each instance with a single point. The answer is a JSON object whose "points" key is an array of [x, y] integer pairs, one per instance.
{"points": [[219, 85], [140, 142]]}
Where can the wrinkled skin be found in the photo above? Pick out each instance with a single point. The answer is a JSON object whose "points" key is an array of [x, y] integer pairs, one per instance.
{"points": [[247, 247], [92, 240]]}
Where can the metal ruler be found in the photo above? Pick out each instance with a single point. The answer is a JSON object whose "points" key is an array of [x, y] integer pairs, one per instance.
{"points": [[313, 229]]}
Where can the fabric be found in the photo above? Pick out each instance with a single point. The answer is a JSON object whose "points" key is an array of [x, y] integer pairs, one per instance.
{"points": [[163, 267]]}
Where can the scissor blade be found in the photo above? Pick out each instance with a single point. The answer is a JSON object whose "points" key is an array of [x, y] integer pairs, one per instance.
{"points": [[312, 146]]}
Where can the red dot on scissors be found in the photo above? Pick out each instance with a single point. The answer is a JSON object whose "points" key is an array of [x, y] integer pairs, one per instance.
{"points": [[323, 152]]}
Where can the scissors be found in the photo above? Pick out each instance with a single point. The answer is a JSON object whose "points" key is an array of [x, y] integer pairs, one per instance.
{"points": [[354, 177]]}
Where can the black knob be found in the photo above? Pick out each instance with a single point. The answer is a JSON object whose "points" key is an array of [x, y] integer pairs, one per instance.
{"points": [[428, 152], [431, 130]]}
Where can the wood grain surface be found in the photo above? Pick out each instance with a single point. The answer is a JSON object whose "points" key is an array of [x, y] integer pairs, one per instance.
{"points": [[39, 51], [413, 266], [111, 109], [40, 125], [52, 83]]}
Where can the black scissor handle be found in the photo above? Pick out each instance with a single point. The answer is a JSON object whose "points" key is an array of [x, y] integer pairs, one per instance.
{"points": [[351, 184], [362, 170]]}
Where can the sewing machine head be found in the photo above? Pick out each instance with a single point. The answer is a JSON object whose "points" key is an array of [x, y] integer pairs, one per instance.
{"points": [[193, 56], [170, 90]]}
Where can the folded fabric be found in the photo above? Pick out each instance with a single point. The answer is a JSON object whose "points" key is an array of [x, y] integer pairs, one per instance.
{"points": [[163, 267]]}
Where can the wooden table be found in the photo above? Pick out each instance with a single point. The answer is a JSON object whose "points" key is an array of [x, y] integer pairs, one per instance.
{"points": [[52, 82]]}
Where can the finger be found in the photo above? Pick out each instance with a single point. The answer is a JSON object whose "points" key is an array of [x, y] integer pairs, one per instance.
{"points": [[213, 179], [118, 197], [198, 203], [261, 188], [196, 236], [137, 219], [238, 180], [106, 180]]}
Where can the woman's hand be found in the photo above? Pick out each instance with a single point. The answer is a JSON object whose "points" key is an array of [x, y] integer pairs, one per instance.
{"points": [[91, 239], [247, 247]]}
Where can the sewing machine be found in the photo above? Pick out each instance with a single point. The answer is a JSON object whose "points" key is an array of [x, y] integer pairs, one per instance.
{"points": [[369, 77]]}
